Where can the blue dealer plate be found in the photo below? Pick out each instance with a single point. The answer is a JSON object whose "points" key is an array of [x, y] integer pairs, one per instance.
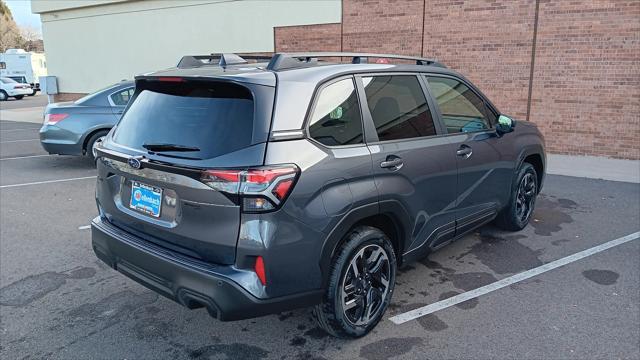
{"points": [[146, 198]]}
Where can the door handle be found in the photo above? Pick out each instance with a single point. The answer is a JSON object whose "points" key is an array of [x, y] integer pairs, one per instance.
{"points": [[464, 151], [392, 163]]}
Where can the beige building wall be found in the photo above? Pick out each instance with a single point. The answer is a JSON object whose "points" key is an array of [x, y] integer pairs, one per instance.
{"points": [[91, 44]]}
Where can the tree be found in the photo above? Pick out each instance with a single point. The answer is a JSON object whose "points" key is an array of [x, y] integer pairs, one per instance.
{"points": [[10, 36], [32, 41]]}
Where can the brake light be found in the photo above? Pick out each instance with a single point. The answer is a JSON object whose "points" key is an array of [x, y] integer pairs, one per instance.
{"points": [[259, 269], [170, 79], [260, 189], [52, 119]]}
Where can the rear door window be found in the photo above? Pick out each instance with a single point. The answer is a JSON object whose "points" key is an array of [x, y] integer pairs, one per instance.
{"points": [[398, 107], [336, 118], [209, 118], [462, 110], [122, 97]]}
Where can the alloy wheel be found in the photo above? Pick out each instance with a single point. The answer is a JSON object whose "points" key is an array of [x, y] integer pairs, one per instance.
{"points": [[94, 152], [365, 285], [525, 197]]}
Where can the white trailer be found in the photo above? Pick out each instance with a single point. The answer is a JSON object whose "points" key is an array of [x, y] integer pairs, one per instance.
{"points": [[23, 67]]}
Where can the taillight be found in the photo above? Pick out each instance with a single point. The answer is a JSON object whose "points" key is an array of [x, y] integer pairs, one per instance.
{"points": [[260, 189], [51, 119]]}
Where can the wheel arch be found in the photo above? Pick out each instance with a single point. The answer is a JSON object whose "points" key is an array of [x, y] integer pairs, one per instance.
{"points": [[389, 216], [534, 155], [90, 134]]}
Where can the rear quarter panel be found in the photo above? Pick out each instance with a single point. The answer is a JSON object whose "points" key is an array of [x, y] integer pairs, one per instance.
{"points": [[333, 182], [81, 123]]}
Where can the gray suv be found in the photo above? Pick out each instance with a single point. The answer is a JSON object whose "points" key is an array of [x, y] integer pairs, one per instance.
{"points": [[250, 187]]}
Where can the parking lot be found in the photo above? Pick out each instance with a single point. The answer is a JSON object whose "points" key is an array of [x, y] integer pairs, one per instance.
{"points": [[58, 301]]}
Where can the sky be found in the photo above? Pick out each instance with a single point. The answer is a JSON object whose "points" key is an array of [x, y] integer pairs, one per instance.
{"points": [[21, 11]]}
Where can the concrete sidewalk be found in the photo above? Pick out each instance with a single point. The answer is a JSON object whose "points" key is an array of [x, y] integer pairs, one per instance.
{"points": [[594, 167]]}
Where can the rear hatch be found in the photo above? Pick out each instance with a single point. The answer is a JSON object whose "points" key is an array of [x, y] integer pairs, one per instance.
{"points": [[155, 171]]}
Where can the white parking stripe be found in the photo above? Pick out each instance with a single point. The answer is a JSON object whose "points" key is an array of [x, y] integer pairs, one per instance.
{"points": [[46, 182], [85, 227], [15, 141], [426, 310], [25, 157]]}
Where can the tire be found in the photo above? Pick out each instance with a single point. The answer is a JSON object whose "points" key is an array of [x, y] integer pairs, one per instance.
{"points": [[374, 248], [19, 97], [516, 215], [3, 95], [89, 150], [33, 93]]}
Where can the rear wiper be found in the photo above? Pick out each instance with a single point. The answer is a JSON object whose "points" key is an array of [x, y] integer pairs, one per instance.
{"points": [[169, 147]]}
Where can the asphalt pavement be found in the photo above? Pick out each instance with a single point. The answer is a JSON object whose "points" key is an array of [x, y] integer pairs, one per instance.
{"points": [[57, 301], [39, 100]]}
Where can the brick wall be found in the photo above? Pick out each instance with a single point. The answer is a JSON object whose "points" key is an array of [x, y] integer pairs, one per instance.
{"points": [[393, 26], [489, 42], [585, 89], [321, 37], [586, 84], [67, 97]]}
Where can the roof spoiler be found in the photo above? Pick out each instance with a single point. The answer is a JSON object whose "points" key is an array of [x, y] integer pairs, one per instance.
{"points": [[223, 60]]}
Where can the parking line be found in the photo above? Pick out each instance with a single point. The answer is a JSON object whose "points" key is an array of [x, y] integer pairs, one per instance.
{"points": [[15, 141], [454, 300], [25, 157], [46, 182], [84, 227]]}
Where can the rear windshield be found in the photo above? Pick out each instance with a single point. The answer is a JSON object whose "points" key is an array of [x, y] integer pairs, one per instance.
{"points": [[210, 119]]}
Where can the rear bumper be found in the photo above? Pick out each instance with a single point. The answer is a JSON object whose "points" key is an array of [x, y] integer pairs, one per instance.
{"points": [[55, 140], [18, 92], [186, 281]]}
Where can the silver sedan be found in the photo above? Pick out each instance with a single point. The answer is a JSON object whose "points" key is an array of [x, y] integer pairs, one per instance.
{"points": [[73, 128]]}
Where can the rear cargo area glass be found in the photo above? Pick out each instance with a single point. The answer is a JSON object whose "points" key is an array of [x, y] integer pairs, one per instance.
{"points": [[214, 117]]}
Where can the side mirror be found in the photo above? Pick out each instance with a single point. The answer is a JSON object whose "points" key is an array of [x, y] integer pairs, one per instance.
{"points": [[505, 124]]}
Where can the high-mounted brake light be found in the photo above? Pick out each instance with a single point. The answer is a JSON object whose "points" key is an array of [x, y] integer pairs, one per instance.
{"points": [[52, 119], [261, 189], [170, 79]]}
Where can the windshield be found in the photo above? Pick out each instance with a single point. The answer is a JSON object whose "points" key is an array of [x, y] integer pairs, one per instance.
{"points": [[209, 119]]}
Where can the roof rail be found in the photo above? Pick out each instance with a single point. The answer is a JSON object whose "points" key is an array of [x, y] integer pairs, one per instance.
{"points": [[223, 60], [283, 61]]}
